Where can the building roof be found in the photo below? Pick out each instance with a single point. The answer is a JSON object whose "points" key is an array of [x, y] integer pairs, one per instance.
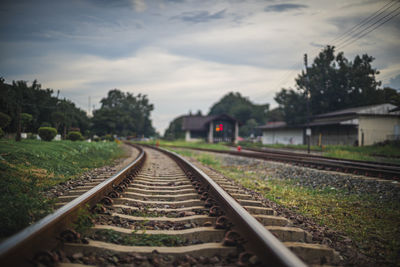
{"points": [[200, 123], [379, 109], [347, 117], [273, 125]]}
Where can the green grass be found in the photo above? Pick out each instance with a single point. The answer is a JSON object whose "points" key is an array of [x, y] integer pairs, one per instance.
{"points": [[30, 167], [183, 143], [373, 225]]}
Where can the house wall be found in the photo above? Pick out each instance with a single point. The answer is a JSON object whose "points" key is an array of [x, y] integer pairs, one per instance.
{"points": [[194, 136], [283, 136], [378, 128], [334, 135]]}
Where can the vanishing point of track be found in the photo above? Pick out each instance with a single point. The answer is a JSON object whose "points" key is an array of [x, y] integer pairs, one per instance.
{"points": [[161, 194]]}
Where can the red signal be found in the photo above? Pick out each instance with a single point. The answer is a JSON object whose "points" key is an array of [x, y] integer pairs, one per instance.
{"points": [[219, 127]]}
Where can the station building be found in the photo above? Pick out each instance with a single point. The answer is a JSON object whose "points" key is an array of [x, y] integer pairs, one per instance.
{"points": [[361, 126], [213, 129]]}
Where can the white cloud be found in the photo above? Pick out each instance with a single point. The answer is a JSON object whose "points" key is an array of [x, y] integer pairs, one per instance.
{"points": [[139, 5], [175, 84]]}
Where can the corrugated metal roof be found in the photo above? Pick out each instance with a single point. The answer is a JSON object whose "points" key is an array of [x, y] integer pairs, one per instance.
{"points": [[379, 109]]}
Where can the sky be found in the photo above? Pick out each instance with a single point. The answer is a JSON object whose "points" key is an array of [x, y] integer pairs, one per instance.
{"points": [[186, 54]]}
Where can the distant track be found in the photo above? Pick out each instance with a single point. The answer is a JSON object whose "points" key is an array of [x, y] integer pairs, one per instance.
{"points": [[373, 169]]}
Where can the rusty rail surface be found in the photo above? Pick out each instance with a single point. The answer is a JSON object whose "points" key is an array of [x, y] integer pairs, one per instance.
{"points": [[260, 241], [376, 169], [19, 250]]}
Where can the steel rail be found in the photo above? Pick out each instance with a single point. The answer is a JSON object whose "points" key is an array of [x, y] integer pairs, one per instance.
{"points": [[19, 249], [265, 245], [382, 171], [390, 166]]}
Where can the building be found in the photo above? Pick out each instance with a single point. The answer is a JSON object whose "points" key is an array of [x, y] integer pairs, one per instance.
{"points": [[365, 125], [280, 133], [213, 129]]}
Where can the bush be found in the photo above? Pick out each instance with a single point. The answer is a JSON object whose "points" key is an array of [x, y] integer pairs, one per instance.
{"points": [[96, 139], [47, 133], [109, 137], [4, 120], [74, 136], [1, 133]]}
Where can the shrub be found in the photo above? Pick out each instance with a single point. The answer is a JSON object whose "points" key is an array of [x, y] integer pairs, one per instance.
{"points": [[1, 133], [4, 120], [96, 139], [109, 137], [47, 133], [74, 136]]}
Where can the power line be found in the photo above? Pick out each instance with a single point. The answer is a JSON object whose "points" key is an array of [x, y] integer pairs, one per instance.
{"points": [[376, 27], [362, 33], [364, 21], [356, 32]]}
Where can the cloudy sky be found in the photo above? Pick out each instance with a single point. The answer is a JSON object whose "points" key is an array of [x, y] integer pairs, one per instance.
{"points": [[186, 54]]}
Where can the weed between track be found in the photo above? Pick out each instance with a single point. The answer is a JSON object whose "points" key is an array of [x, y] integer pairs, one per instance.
{"points": [[134, 239], [30, 167], [373, 225]]}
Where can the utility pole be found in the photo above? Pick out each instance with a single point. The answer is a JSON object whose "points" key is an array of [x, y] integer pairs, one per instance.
{"points": [[17, 87], [308, 96]]}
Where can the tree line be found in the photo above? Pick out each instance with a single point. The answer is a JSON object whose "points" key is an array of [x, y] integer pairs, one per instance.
{"points": [[332, 82], [26, 108]]}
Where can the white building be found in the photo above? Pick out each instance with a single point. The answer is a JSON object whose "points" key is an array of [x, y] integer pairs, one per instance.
{"points": [[365, 125]]}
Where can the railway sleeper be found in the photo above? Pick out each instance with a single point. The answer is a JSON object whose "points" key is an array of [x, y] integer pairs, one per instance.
{"points": [[160, 192], [197, 219], [314, 253], [159, 209], [183, 203], [203, 234], [206, 249], [176, 187], [176, 197]]}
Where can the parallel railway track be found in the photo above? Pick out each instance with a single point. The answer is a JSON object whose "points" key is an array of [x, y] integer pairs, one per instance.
{"points": [[161, 210], [373, 169]]}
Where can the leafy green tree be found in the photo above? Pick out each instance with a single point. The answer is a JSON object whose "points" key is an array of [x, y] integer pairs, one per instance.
{"points": [[275, 114], [123, 114], [4, 120], [26, 119], [57, 119], [174, 130], [333, 82], [241, 108]]}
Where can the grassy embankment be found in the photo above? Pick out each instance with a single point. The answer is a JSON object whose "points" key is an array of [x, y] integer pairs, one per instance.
{"points": [[383, 153], [371, 223], [30, 167]]}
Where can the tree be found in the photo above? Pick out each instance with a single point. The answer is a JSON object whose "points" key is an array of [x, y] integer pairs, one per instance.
{"points": [[333, 83], [57, 118], [123, 114], [26, 119], [241, 108], [4, 120], [174, 130]]}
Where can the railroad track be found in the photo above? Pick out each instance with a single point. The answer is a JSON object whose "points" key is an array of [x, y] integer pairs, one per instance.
{"points": [[163, 211], [366, 168]]}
